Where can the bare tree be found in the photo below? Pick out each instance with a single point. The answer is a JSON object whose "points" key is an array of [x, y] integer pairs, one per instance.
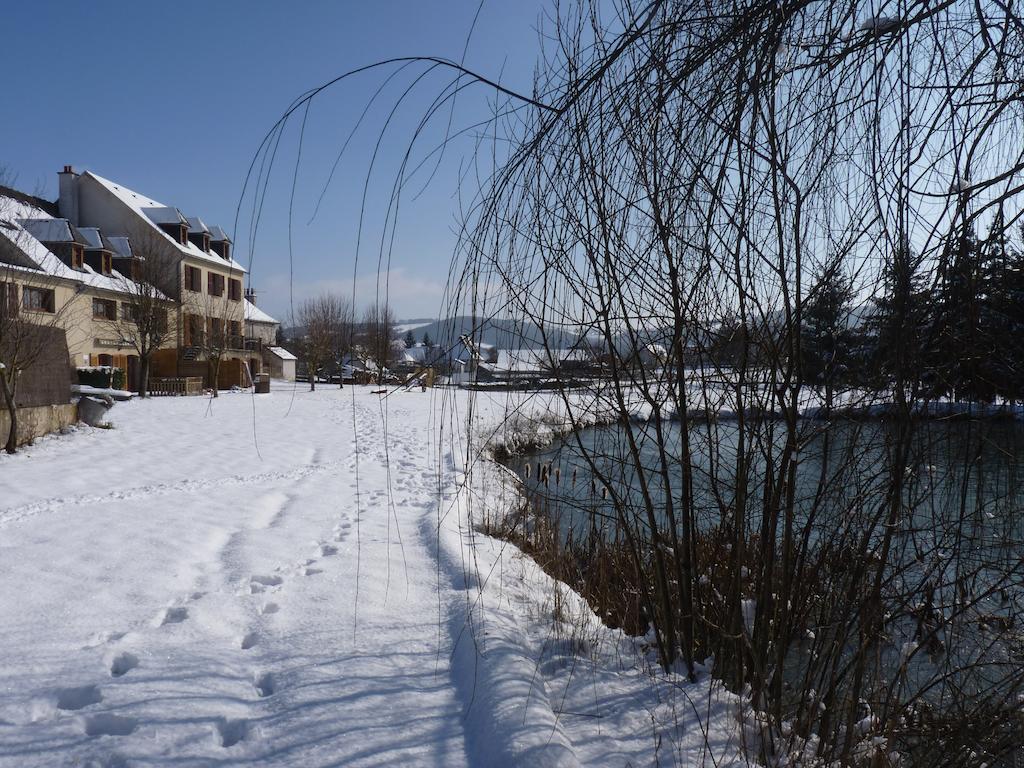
{"points": [[147, 314], [378, 329], [677, 177], [327, 321], [213, 324], [32, 313]]}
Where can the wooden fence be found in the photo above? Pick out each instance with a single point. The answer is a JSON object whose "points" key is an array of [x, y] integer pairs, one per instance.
{"points": [[182, 385]]}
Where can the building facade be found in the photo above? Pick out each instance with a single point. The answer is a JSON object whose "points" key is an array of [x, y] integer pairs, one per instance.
{"points": [[84, 261]]}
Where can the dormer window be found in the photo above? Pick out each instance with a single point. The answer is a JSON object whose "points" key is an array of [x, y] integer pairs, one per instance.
{"points": [[200, 240], [107, 264], [77, 256]]}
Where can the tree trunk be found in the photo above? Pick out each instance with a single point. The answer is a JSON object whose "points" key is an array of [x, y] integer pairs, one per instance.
{"points": [[214, 376], [12, 411], [142, 383]]}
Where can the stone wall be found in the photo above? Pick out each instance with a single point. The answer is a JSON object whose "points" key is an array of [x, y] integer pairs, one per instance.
{"points": [[36, 421]]}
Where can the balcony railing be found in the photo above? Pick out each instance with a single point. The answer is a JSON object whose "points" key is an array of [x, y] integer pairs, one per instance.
{"points": [[200, 341]]}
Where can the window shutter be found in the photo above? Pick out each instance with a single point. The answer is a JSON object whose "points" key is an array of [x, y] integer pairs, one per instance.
{"points": [[8, 300]]}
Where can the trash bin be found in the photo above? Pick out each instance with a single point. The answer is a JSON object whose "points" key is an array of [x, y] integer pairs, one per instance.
{"points": [[262, 383]]}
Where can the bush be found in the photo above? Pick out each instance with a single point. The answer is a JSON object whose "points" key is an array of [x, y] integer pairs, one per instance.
{"points": [[101, 376]]}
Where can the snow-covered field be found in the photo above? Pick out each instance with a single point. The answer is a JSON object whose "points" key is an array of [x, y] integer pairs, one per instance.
{"points": [[291, 579]]}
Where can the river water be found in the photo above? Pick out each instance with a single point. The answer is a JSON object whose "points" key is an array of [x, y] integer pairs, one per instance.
{"points": [[960, 531]]}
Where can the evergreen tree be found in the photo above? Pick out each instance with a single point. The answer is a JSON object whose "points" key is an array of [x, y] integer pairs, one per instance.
{"points": [[826, 340], [899, 326], [427, 342], [409, 340], [1003, 313], [960, 343]]}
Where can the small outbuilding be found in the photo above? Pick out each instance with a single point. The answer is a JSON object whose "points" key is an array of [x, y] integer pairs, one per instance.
{"points": [[280, 362]]}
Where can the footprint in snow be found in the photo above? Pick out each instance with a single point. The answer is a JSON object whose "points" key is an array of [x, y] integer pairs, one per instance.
{"points": [[263, 682], [229, 732], [106, 724], [269, 608], [326, 550], [173, 615], [103, 638], [307, 571], [249, 640], [123, 663], [72, 699], [262, 583]]}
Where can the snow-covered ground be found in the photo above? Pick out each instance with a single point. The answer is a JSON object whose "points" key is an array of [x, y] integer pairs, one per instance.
{"points": [[291, 579]]}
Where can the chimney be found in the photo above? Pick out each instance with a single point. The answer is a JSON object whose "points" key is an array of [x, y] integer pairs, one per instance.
{"points": [[68, 200], [250, 295]]}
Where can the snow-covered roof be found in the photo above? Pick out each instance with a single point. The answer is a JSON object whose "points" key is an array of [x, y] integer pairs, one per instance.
{"points": [[527, 360], [416, 354], [254, 314], [22, 215], [281, 353], [147, 208]]}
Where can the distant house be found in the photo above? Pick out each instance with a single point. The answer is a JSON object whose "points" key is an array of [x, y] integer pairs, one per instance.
{"points": [[418, 360]]}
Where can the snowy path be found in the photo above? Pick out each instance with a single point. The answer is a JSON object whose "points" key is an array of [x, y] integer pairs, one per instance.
{"points": [[172, 596], [179, 598]]}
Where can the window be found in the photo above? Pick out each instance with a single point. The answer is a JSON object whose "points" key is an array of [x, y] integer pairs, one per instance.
{"points": [[214, 284], [129, 313], [193, 279], [193, 330], [108, 264], [8, 299], [77, 257], [234, 328], [216, 327], [104, 309], [37, 299], [235, 290]]}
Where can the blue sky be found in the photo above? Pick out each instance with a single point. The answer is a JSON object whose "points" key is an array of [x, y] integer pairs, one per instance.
{"points": [[174, 99]]}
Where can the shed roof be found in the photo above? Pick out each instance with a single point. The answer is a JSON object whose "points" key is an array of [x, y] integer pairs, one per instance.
{"points": [[282, 353]]}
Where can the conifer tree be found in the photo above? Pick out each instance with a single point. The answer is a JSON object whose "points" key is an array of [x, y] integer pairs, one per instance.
{"points": [[899, 324], [826, 344]]}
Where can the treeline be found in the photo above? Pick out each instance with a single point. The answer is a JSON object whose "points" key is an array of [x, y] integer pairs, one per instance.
{"points": [[952, 328]]}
